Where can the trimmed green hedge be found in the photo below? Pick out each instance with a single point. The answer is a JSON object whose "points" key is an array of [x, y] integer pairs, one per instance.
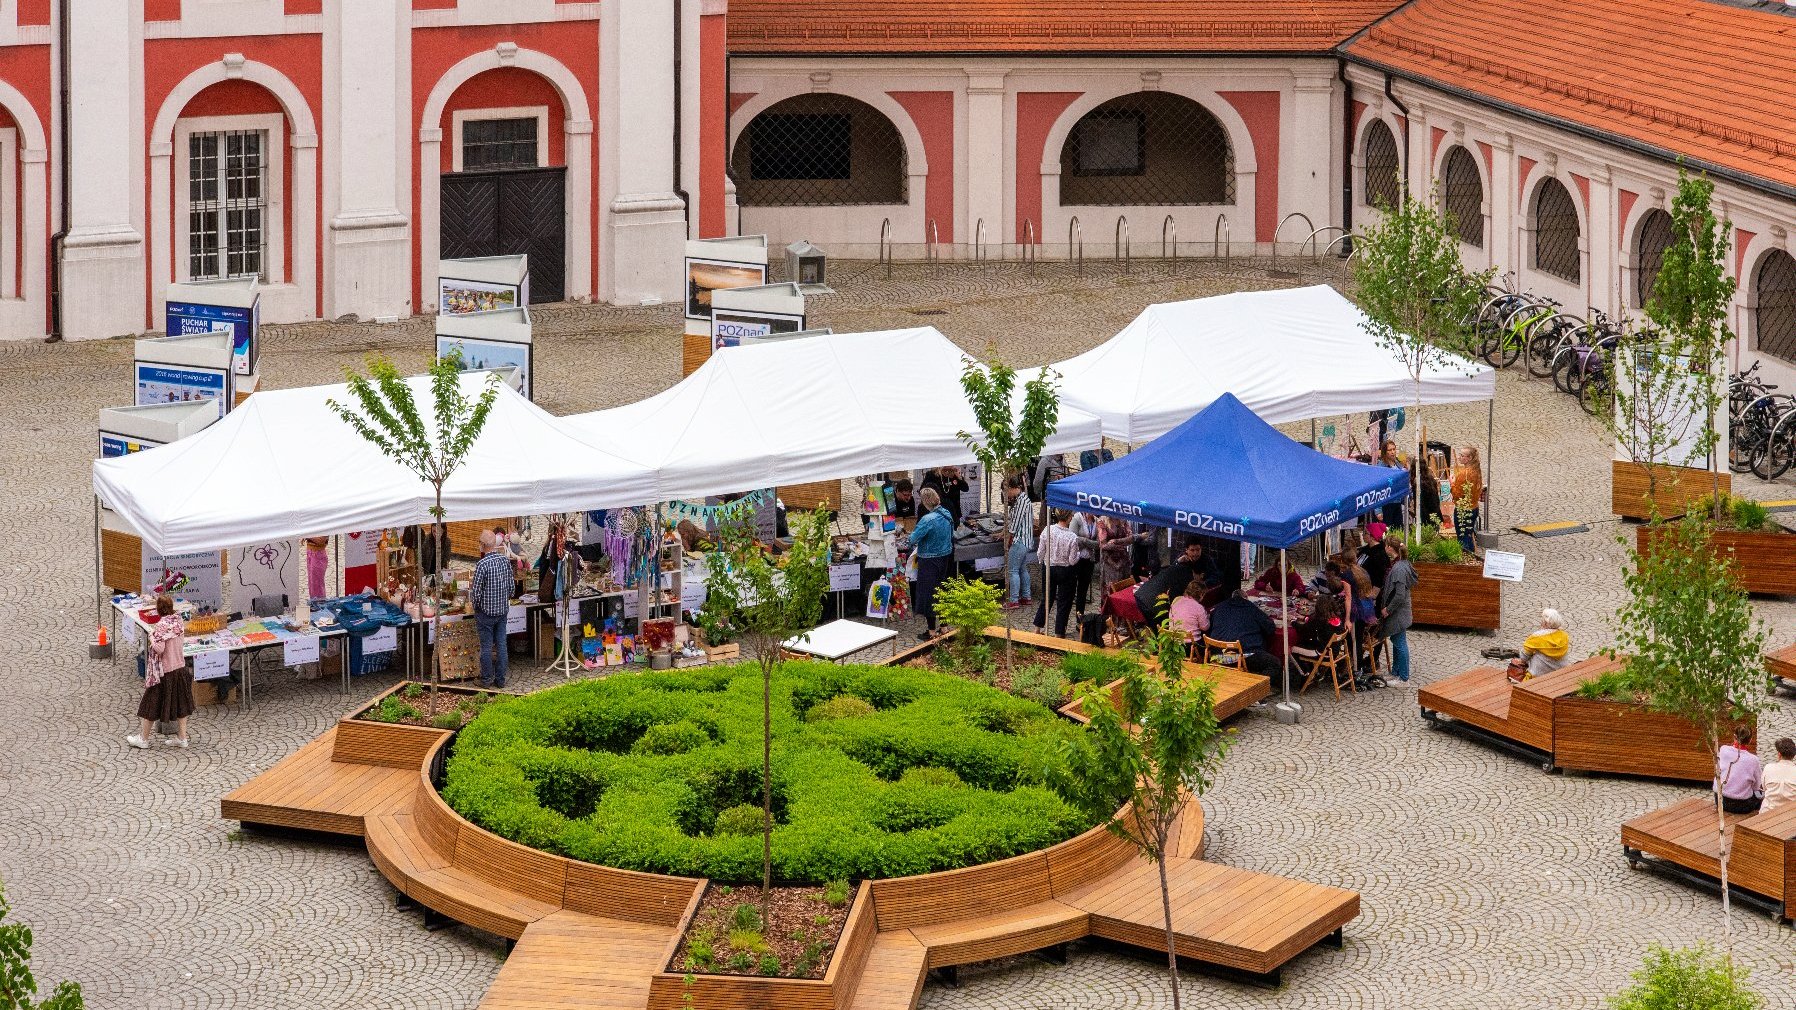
{"points": [[633, 771]]}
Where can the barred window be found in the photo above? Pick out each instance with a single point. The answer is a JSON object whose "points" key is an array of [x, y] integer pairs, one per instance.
{"points": [[1649, 253], [494, 144], [1556, 232], [819, 150], [227, 200], [1384, 181], [1775, 318], [1149, 149], [1463, 193]]}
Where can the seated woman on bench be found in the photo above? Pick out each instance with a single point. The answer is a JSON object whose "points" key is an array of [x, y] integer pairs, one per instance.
{"points": [[1740, 774], [1546, 650]]}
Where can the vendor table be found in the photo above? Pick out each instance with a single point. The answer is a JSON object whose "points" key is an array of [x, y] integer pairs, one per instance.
{"points": [[248, 637], [1301, 609], [839, 638]]}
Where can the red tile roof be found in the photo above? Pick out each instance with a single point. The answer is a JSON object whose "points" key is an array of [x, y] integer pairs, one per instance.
{"points": [[1692, 77], [1046, 26]]}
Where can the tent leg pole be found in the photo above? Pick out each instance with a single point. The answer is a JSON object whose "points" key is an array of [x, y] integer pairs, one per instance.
{"points": [[1490, 459], [1285, 632], [99, 571]]}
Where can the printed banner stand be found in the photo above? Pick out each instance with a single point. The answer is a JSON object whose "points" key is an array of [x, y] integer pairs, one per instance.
{"points": [[185, 369], [753, 313], [496, 340], [714, 265], [482, 284], [230, 306]]}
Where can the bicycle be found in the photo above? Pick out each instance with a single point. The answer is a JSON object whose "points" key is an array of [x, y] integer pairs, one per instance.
{"points": [[1546, 338], [1779, 451], [1504, 321]]}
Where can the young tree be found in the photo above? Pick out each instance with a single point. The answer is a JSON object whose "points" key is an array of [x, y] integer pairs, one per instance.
{"points": [[1690, 979], [1421, 304], [1007, 439], [1693, 645], [18, 987], [771, 602], [1658, 415], [1689, 304], [386, 414], [1156, 752]]}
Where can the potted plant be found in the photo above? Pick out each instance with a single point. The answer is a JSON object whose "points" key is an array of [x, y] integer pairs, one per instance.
{"points": [[1451, 591], [1763, 553]]}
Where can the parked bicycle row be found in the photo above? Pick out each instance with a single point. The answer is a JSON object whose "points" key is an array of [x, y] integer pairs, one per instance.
{"points": [[1575, 352], [1761, 426]]}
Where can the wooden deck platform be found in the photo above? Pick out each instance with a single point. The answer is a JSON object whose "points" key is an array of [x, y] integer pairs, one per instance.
{"points": [[1781, 663], [1484, 700], [1682, 839], [595, 938]]}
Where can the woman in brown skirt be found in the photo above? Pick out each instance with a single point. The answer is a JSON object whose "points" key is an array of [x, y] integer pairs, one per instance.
{"points": [[168, 684]]}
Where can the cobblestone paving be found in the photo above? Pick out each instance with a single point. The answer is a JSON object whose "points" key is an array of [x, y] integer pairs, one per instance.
{"points": [[1485, 882]]}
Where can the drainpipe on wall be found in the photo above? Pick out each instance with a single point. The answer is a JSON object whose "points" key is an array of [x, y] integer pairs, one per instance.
{"points": [[1388, 93], [62, 158], [679, 154], [1346, 161]]}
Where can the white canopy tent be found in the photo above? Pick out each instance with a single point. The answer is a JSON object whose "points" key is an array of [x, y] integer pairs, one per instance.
{"points": [[284, 465], [1289, 355], [829, 406]]}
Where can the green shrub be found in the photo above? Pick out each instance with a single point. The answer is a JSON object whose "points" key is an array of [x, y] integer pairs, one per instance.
{"points": [[770, 965], [1614, 685], [744, 917], [701, 953], [451, 719], [742, 962], [842, 706], [749, 940], [1044, 685], [969, 605], [1092, 666], [1750, 516], [413, 691], [672, 738], [742, 819], [1693, 979], [641, 771], [835, 893]]}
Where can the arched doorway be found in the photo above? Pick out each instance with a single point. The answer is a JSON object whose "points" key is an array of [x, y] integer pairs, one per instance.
{"points": [[1774, 319], [1148, 149], [1649, 253], [1383, 183], [1556, 232], [1462, 195], [819, 150], [504, 175]]}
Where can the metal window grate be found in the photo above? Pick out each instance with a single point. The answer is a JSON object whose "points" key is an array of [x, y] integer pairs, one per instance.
{"points": [[1556, 232], [227, 191], [1383, 182], [1463, 193], [1150, 149], [494, 144], [1649, 253], [819, 150], [1775, 319]]}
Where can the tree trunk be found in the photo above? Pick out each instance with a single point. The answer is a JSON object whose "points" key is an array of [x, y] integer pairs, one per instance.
{"points": [[1727, 919], [768, 659], [436, 612], [1172, 955]]}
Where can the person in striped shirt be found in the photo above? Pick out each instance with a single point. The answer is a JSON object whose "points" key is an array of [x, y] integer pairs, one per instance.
{"points": [[494, 584], [1019, 540]]}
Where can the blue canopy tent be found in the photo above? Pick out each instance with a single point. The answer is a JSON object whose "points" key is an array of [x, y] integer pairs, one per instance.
{"points": [[1226, 473]]}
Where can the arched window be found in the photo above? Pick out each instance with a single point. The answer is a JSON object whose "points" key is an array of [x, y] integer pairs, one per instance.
{"points": [[1649, 253], [1383, 185], [1775, 319], [1150, 149], [1556, 232], [819, 150], [1462, 191]]}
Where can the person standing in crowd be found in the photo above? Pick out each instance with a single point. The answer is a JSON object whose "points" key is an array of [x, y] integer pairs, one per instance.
{"points": [[1375, 561], [1085, 527], [316, 564], [1393, 510], [167, 682], [948, 484], [1019, 540], [494, 585], [1779, 777], [1737, 769], [933, 540], [1059, 549], [1114, 539], [1394, 611], [1468, 496]]}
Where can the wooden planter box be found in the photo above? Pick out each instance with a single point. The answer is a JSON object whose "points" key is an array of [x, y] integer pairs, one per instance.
{"points": [[1457, 596], [1624, 739], [670, 990], [1765, 562], [389, 744], [1677, 487]]}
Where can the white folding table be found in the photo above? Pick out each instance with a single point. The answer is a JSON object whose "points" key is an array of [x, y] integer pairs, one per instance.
{"points": [[838, 639]]}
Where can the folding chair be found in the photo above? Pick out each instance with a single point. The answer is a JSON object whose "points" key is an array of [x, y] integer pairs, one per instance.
{"points": [[1121, 627], [1224, 653], [1336, 658]]}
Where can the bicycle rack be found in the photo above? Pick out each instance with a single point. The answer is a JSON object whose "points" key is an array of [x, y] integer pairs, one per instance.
{"points": [[1122, 240], [1075, 244], [885, 246], [1315, 246], [1216, 236], [1031, 249], [1169, 239], [930, 250], [1331, 246], [979, 241], [1276, 232]]}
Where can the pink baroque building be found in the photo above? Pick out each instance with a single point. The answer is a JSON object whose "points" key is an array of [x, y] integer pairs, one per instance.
{"points": [[339, 150]]}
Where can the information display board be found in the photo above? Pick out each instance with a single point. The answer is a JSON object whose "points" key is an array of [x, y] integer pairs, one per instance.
{"points": [[482, 284], [753, 313], [487, 340], [184, 369], [232, 306]]}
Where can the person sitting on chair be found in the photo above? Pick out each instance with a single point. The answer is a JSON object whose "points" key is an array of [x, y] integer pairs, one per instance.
{"points": [[1187, 613], [1323, 624], [1237, 620], [1168, 582]]}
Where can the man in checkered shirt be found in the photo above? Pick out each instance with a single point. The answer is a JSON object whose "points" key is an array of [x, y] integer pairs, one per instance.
{"points": [[494, 585]]}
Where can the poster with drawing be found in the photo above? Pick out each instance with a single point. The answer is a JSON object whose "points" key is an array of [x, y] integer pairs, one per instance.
{"points": [[276, 568], [196, 578]]}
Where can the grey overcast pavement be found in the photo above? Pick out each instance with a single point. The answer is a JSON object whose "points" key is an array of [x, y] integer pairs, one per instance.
{"points": [[1485, 882]]}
